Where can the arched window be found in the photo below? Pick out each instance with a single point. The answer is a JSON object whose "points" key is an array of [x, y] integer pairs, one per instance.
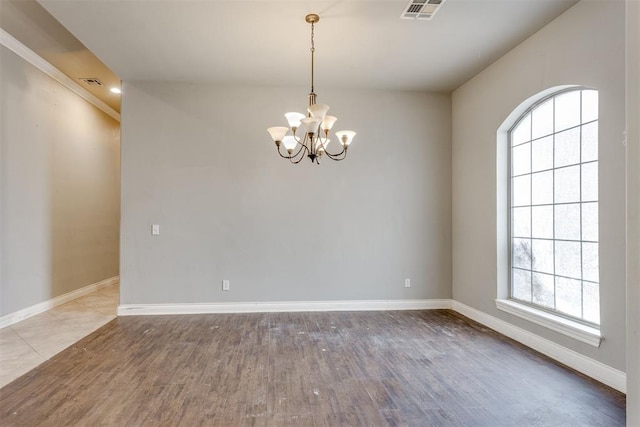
{"points": [[553, 205]]}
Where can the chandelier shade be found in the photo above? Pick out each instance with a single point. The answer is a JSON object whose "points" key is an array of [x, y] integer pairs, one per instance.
{"points": [[318, 110], [289, 143], [294, 119], [345, 137], [278, 132], [311, 125], [315, 126], [327, 123]]}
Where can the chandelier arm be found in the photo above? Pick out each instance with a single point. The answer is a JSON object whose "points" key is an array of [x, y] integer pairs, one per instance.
{"points": [[301, 152], [342, 153], [300, 140], [296, 161], [323, 139], [302, 148], [282, 155], [338, 157], [291, 156]]}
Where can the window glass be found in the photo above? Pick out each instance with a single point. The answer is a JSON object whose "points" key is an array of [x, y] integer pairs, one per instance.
{"points": [[542, 120], [567, 110], [554, 206], [542, 154], [522, 132]]}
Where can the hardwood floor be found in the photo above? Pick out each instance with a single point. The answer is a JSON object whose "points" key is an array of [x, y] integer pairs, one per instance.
{"points": [[342, 368]]}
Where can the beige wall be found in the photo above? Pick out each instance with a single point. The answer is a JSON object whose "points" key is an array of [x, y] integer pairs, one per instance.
{"points": [[197, 160], [59, 184], [584, 46]]}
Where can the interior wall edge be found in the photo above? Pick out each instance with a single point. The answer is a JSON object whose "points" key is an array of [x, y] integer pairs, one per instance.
{"points": [[632, 21]]}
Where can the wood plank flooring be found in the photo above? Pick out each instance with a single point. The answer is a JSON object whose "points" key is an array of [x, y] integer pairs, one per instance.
{"points": [[418, 368]]}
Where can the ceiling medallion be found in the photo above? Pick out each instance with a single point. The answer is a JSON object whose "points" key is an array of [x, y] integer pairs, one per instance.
{"points": [[309, 134]]}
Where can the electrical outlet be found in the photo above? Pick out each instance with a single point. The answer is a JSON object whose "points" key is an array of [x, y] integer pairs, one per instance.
{"points": [[407, 283], [155, 229], [225, 285]]}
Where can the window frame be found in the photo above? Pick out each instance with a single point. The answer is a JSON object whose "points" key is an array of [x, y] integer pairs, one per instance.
{"points": [[561, 322]]}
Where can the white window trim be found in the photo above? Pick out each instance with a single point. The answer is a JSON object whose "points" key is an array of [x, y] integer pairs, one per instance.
{"points": [[579, 331]]}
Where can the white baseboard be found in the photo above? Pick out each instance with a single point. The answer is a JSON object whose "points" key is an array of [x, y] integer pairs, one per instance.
{"points": [[590, 367], [25, 313], [283, 306]]}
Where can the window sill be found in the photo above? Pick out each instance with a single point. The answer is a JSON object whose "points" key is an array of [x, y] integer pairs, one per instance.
{"points": [[575, 330]]}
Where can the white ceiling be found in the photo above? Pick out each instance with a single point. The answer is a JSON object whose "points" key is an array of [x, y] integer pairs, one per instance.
{"points": [[358, 43]]}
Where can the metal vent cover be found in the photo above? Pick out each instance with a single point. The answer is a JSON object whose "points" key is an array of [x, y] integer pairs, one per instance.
{"points": [[91, 81], [421, 9]]}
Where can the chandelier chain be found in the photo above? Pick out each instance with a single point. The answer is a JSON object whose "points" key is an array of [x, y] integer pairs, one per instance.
{"points": [[313, 50]]}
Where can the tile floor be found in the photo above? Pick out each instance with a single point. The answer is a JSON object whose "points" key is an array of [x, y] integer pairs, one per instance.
{"points": [[26, 344]]}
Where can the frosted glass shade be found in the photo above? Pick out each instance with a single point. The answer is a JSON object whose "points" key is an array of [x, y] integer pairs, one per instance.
{"points": [[327, 122], [277, 132], [289, 142], [311, 124], [294, 119], [345, 136], [318, 110]]}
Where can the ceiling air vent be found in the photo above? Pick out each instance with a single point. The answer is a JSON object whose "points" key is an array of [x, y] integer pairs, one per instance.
{"points": [[421, 9], [92, 81]]}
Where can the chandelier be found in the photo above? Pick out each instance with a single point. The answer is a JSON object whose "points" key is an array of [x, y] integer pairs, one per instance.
{"points": [[309, 134]]}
